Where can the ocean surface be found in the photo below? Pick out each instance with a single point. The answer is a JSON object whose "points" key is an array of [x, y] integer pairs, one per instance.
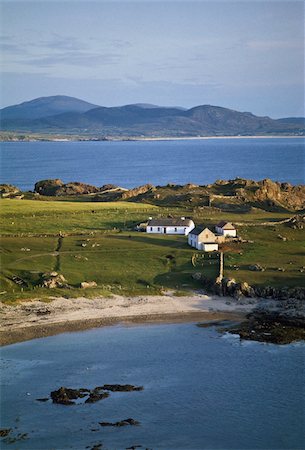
{"points": [[133, 163], [202, 390]]}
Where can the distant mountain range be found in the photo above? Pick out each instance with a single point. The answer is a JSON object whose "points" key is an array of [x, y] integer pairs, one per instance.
{"points": [[68, 115]]}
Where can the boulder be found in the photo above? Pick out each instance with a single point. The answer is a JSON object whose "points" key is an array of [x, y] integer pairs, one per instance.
{"points": [[53, 280], [8, 190], [256, 268], [137, 191], [88, 284], [57, 188], [120, 423]]}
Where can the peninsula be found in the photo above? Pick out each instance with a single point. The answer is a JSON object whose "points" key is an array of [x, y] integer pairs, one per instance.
{"points": [[81, 247]]}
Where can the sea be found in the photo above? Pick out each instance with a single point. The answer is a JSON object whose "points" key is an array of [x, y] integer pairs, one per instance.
{"points": [[134, 163], [202, 390]]}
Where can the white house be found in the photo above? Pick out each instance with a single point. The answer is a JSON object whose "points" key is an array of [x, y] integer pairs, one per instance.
{"points": [[203, 239], [170, 226], [226, 229]]}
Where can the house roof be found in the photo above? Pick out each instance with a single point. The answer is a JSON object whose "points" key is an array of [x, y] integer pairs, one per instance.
{"points": [[199, 230], [196, 231], [225, 225], [170, 222]]}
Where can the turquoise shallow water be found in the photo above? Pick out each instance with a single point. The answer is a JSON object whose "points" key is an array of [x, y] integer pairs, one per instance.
{"points": [[202, 390], [130, 164]]}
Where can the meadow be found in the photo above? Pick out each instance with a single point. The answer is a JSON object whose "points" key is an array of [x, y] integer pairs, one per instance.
{"points": [[99, 244]]}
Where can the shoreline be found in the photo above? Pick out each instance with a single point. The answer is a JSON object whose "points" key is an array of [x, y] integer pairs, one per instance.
{"points": [[141, 139], [35, 319]]}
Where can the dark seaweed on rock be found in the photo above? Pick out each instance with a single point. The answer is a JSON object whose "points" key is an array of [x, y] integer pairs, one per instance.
{"points": [[5, 432], [121, 387], [96, 395], [66, 396], [120, 423], [270, 327]]}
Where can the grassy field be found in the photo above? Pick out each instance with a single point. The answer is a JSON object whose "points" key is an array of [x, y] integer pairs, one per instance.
{"points": [[124, 263], [99, 245], [272, 253], [50, 217]]}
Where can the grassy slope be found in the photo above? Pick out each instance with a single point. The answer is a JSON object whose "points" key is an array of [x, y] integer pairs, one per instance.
{"points": [[128, 261]]}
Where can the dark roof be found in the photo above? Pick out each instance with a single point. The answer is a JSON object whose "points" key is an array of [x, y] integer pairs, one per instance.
{"points": [[170, 222], [225, 225], [197, 230]]}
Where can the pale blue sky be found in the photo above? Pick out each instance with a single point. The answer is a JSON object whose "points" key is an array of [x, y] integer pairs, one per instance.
{"points": [[245, 55]]}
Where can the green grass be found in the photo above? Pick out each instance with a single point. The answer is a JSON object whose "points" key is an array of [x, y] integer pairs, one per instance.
{"points": [[270, 252], [130, 264], [51, 217], [127, 262]]}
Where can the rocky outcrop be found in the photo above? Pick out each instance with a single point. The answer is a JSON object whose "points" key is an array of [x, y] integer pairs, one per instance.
{"points": [[58, 188], [270, 326], [87, 284], [137, 191], [120, 423], [121, 387], [237, 195], [48, 187], [297, 222], [229, 287], [67, 396], [53, 280], [280, 194], [9, 191]]}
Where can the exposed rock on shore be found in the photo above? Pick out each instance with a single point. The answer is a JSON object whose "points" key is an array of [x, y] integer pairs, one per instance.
{"points": [[229, 287], [273, 327], [238, 194], [120, 423], [67, 396], [58, 188]]}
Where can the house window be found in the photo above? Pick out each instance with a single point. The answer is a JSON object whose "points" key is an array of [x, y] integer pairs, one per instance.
{"points": [[175, 228], [158, 228], [151, 228], [206, 235]]}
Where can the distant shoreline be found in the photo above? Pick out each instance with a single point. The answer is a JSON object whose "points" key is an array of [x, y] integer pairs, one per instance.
{"points": [[49, 138]]}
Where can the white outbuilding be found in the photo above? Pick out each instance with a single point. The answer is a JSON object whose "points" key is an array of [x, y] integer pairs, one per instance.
{"points": [[180, 225], [226, 229], [203, 239]]}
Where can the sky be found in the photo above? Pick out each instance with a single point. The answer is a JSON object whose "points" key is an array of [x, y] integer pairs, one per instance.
{"points": [[246, 55]]}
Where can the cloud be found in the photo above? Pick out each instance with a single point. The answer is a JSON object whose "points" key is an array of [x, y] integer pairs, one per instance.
{"points": [[56, 50], [74, 59], [266, 45]]}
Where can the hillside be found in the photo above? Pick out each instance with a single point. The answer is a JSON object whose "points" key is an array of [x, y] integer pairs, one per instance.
{"points": [[44, 107], [68, 115]]}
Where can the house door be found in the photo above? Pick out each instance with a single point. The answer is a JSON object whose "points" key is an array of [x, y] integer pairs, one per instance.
{"points": [[164, 230]]}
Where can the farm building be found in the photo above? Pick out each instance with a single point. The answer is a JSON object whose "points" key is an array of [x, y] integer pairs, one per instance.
{"points": [[170, 226], [226, 229], [203, 239]]}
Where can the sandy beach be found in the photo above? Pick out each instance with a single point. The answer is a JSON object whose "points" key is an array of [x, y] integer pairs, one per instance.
{"points": [[33, 319]]}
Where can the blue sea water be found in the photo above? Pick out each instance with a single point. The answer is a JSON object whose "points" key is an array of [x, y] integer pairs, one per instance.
{"points": [[202, 390], [134, 163]]}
